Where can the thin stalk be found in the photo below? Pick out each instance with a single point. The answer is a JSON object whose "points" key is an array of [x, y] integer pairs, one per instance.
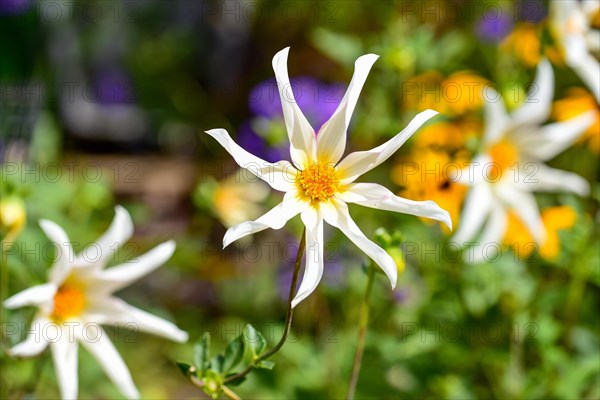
{"points": [[362, 332], [288, 318], [4, 288], [230, 393]]}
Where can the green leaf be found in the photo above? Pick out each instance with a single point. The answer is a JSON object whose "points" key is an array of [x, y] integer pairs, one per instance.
{"points": [[186, 369], [265, 364], [254, 341], [234, 353], [216, 364], [237, 381], [201, 352]]}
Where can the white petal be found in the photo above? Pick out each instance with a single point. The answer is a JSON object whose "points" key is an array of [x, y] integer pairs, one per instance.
{"points": [[33, 296], [552, 139], [476, 209], [123, 275], [357, 163], [117, 234], [377, 196], [587, 68], [336, 214], [546, 179], [35, 342], [279, 175], [276, 218], [111, 362], [490, 241], [474, 173], [525, 206], [313, 270], [496, 118], [538, 103], [116, 311], [331, 140], [302, 136], [64, 354], [65, 256]]}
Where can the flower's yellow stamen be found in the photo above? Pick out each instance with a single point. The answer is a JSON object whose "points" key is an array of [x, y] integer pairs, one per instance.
{"points": [[318, 182], [69, 301], [504, 156]]}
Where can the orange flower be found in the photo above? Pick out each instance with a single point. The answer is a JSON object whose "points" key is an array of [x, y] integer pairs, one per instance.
{"points": [[577, 102], [554, 219], [455, 95], [426, 176]]}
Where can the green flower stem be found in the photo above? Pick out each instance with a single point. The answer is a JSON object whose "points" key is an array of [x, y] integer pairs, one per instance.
{"points": [[230, 393], [4, 288], [362, 332], [288, 319]]}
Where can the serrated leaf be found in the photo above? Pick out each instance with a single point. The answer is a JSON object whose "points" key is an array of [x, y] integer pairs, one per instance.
{"points": [[216, 364], [233, 353], [186, 369], [265, 364], [254, 340], [201, 353]]}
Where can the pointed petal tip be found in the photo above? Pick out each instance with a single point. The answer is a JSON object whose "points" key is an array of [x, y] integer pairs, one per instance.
{"points": [[447, 220], [296, 301], [213, 132], [181, 337], [431, 112], [168, 247], [46, 224], [370, 58], [281, 53]]}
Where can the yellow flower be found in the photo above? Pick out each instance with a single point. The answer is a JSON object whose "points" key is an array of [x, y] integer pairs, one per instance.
{"points": [[554, 219], [237, 199], [447, 136], [12, 218], [426, 176], [524, 42], [455, 95], [578, 101]]}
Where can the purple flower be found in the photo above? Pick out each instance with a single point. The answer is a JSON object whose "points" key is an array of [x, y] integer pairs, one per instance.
{"points": [[494, 26], [14, 7], [114, 87], [317, 100]]}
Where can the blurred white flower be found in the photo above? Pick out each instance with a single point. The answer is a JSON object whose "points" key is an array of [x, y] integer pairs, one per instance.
{"points": [[572, 22], [78, 298], [510, 168], [318, 185]]}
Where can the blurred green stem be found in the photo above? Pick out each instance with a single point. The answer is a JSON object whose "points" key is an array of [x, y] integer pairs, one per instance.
{"points": [[362, 332], [230, 393], [4, 276], [288, 319]]}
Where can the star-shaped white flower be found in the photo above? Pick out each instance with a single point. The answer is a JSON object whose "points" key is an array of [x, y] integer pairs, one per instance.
{"points": [[572, 24], [78, 298], [317, 185], [510, 167]]}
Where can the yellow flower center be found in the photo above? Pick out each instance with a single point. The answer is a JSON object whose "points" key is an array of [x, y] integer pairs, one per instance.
{"points": [[69, 301], [504, 155], [318, 182]]}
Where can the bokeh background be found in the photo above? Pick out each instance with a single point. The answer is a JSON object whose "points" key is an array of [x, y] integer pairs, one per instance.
{"points": [[106, 102]]}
